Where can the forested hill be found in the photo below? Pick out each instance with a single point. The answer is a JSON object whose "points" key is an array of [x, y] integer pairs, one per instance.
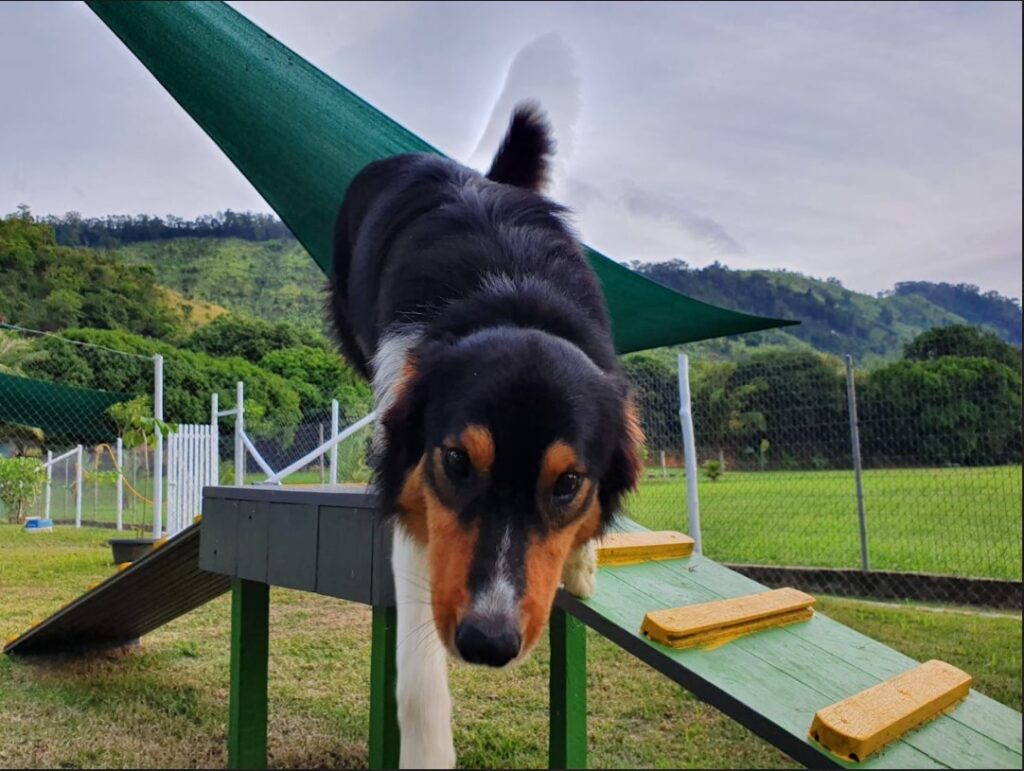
{"points": [[835, 319], [276, 280], [248, 262]]}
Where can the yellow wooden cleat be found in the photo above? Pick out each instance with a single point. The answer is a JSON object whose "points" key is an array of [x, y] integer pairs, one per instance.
{"points": [[719, 621], [643, 546], [856, 727]]}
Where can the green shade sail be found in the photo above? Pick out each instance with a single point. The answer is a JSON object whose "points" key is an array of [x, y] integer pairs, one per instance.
{"points": [[300, 138], [65, 414]]}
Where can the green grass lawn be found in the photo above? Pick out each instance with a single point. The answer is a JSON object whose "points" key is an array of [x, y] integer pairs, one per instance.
{"points": [[957, 521], [165, 704]]}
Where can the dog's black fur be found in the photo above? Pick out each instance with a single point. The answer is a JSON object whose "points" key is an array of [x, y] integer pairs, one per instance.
{"points": [[514, 330]]}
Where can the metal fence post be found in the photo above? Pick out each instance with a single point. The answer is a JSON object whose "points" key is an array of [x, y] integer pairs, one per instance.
{"points": [[214, 440], [851, 398], [320, 434], [49, 483], [689, 451], [240, 433], [120, 484], [334, 447], [158, 451], [78, 486]]}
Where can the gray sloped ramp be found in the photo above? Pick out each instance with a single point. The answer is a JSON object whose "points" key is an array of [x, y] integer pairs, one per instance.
{"points": [[156, 589]]}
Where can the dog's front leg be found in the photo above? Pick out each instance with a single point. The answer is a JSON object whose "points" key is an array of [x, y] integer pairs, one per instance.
{"points": [[579, 575], [424, 703]]}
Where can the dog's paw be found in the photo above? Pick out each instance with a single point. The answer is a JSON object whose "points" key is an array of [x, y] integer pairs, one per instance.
{"points": [[580, 572]]}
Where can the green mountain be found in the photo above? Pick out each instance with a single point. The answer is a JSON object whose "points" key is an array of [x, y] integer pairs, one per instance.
{"points": [[275, 279], [247, 263], [835, 319]]}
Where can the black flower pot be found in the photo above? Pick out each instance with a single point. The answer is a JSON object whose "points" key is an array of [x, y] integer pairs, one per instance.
{"points": [[130, 549]]}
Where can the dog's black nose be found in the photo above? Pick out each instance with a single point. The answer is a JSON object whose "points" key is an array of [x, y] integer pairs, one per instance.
{"points": [[480, 641]]}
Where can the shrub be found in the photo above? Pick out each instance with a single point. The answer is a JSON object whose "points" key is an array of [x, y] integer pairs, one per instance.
{"points": [[21, 480], [713, 470]]}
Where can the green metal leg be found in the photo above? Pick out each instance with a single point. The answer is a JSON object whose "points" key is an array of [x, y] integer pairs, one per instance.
{"points": [[384, 736], [247, 721], [567, 744]]}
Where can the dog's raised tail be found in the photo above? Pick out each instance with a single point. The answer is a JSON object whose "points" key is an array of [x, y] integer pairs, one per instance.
{"points": [[522, 159]]}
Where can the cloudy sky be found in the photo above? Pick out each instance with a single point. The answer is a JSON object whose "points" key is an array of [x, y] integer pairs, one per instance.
{"points": [[871, 142]]}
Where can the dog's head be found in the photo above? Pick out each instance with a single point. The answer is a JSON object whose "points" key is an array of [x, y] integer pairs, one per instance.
{"points": [[502, 451]]}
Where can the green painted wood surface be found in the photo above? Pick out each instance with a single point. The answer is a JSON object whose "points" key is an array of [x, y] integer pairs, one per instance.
{"points": [[247, 708], [774, 681], [385, 739], [567, 738], [300, 137]]}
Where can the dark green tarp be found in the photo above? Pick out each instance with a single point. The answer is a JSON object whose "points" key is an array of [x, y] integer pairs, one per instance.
{"points": [[300, 138], [65, 414]]}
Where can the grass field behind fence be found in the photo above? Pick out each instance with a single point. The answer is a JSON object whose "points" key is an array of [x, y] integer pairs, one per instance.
{"points": [[955, 521], [165, 704]]}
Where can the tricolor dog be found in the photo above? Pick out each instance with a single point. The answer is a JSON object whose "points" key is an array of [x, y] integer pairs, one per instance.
{"points": [[506, 433]]}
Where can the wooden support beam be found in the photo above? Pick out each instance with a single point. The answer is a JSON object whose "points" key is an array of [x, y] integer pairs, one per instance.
{"points": [[385, 739], [247, 710], [567, 740]]}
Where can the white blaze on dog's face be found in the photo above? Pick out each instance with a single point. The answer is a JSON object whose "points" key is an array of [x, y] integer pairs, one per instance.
{"points": [[502, 453]]}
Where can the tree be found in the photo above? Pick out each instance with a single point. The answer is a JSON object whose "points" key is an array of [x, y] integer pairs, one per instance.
{"points": [[791, 401], [947, 411], [657, 400], [272, 404], [329, 376], [63, 308], [252, 339], [961, 340], [21, 479], [16, 352], [48, 286]]}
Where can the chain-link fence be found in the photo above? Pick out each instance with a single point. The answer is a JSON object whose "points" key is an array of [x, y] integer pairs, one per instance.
{"points": [[60, 431], [780, 437], [281, 449], [907, 473]]}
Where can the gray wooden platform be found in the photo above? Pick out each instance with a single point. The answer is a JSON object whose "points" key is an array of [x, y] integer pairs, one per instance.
{"points": [[325, 539]]}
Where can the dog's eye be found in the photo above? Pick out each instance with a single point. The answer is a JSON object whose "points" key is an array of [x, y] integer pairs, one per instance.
{"points": [[566, 487], [456, 464]]}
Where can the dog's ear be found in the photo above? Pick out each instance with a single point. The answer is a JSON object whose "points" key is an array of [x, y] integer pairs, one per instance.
{"points": [[400, 438], [626, 465]]}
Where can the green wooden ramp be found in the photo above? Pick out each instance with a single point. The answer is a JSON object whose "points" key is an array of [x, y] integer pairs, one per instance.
{"points": [[774, 681]]}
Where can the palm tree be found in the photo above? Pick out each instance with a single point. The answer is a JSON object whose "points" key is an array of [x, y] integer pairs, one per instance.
{"points": [[17, 352]]}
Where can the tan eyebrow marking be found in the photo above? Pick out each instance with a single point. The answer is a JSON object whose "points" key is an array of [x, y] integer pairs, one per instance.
{"points": [[479, 444], [558, 459]]}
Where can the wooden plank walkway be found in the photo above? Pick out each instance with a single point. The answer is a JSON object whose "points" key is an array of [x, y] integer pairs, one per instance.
{"points": [[774, 681]]}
